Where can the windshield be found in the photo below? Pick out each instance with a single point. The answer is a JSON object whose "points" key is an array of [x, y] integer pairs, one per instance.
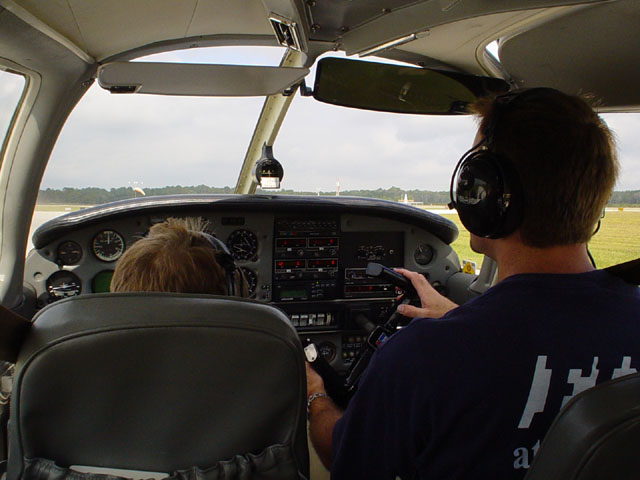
{"points": [[128, 145], [11, 88]]}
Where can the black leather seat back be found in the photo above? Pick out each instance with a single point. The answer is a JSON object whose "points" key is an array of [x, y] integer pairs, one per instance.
{"points": [[595, 436], [157, 382]]}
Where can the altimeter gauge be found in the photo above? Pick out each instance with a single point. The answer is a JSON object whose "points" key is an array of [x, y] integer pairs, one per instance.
{"points": [[108, 245]]}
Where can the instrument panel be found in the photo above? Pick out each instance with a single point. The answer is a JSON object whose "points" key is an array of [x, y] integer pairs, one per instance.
{"points": [[308, 261]]}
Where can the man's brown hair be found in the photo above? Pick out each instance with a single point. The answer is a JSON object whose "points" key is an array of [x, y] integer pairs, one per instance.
{"points": [[173, 257], [565, 157]]}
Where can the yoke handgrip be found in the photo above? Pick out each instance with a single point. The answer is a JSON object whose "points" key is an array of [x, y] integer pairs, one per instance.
{"points": [[384, 273]]}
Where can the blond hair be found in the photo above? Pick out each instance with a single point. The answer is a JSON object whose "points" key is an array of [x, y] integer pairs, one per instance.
{"points": [[173, 257]]}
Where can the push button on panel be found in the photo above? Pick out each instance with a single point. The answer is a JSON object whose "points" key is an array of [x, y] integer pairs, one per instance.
{"points": [[325, 319]]}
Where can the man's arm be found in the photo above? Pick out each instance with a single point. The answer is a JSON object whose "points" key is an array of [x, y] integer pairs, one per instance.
{"points": [[323, 415]]}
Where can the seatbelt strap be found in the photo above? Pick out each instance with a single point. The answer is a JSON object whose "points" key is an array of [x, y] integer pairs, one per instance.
{"points": [[628, 271], [13, 329]]}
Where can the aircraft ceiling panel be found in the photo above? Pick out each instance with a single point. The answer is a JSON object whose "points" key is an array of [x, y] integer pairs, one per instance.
{"points": [[229, 17], [338, 17], [103, 29], [574, 54]]}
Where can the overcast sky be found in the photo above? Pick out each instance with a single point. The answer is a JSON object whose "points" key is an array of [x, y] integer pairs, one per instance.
{"points": [[116, 140]]}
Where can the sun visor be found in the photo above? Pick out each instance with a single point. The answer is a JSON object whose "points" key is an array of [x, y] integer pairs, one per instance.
{"points": [[197, 79]]}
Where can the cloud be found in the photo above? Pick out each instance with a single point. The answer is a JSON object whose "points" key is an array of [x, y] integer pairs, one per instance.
{"points": [[112, 140], [369, 149], [11, 86], [626, 127]]}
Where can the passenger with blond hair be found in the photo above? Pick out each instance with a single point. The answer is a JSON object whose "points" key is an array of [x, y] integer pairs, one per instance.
{"points": [[179, 256]]}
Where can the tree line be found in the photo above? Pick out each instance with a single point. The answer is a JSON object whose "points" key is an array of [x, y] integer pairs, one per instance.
{"points": [[97, 196]]}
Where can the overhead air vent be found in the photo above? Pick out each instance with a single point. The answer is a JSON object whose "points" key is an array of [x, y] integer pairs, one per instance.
{"points": [[286, 32]]}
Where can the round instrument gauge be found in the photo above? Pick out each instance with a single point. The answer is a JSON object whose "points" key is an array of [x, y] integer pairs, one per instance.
{"points": [[327, 350], [69, 253], [108, 245], [243, 244], [423, 254], [101, 283], [62, 284], [252, 280]]}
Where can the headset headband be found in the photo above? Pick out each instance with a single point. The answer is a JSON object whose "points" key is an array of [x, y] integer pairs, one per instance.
{"points": [[224, 259]]}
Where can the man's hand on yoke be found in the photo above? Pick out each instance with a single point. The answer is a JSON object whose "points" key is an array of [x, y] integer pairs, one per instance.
{"points": [[434, 305]]}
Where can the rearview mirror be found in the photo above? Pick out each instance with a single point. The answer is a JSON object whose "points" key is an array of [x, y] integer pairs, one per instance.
{"points": [[395, 88]]}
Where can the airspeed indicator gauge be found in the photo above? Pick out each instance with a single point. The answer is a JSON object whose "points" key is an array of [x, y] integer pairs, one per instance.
{"points": [[243, 244], [108, 245]]}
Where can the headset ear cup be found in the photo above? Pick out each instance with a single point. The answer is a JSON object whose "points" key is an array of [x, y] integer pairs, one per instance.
{"points": [[514, 209], [487, 202], [225, 260], [240, 283]]}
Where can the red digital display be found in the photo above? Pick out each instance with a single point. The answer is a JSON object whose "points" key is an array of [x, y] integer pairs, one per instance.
{"points": [[323, 242], [291, 242], [367, 288], [290, 264], [323, 263]]}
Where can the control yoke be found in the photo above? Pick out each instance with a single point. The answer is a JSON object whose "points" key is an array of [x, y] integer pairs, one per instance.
{"points": [[340, 389], [384, 273]]}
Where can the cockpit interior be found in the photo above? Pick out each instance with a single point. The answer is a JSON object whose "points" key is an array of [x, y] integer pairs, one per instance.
{"points": [[305, 255], [70, 350]]}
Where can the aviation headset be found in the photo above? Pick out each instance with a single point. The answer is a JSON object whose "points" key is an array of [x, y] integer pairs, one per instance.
{"points": [[485, 187], [225, 260]]}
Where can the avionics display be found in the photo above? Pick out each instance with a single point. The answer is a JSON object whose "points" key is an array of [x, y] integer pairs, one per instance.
{"points": [[291, 242], [306, 260], [364, 247], [323, 242]]}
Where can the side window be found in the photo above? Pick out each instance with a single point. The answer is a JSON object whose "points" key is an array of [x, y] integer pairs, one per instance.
{"points": [[11, 88]]}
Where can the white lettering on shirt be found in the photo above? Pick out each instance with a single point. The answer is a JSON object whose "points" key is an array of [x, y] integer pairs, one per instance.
{"points": [[625, 368], [538, 393], [580, 383], [522, 456]]}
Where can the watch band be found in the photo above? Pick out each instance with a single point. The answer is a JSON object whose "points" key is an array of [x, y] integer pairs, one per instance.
{"points": [[312, 397]]}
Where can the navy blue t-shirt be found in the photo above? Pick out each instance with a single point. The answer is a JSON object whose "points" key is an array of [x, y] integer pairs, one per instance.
{"points": [[472, 394]]}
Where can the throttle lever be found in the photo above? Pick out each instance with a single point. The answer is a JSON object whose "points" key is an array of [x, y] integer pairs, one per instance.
{"points": [[375, 338]]}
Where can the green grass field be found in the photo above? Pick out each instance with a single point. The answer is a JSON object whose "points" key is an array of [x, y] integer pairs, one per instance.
{"points": [[617, 241]]}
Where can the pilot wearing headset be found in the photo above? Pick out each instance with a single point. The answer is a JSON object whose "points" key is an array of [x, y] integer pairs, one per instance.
{"points": [[179, 256], [469, 391]]}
